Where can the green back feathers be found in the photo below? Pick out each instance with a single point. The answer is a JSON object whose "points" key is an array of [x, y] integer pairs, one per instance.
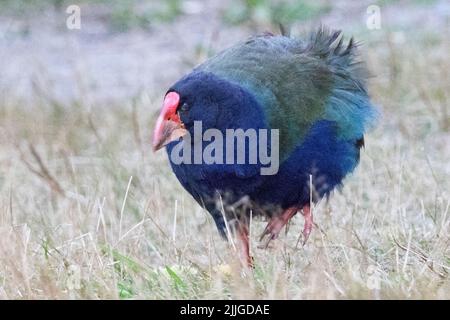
{"points": [[294, 80]]}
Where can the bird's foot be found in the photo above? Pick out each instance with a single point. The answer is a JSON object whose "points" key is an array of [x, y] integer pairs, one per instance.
{"points": [[307, 215], [275, 225]]}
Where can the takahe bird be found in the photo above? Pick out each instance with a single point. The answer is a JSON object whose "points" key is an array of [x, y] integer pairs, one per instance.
{"points": [[313, 91]]}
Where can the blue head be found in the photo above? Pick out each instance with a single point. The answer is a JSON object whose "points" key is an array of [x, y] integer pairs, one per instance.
{"points": [[202, 96]]}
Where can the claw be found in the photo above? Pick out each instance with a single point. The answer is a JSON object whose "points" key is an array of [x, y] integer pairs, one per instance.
{"points": [[275, 225]]}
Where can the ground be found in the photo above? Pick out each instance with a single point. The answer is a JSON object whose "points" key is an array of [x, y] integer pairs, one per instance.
{"points": [[87, 210]]}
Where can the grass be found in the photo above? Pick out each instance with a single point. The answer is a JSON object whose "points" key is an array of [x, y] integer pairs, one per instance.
{"points": [[127, 15], [264, 12], [88, 211], [121, 16]]}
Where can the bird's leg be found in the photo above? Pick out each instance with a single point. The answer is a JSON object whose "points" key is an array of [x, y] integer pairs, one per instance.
{"points": [[243, 244], [276, 223], [307, 215]]}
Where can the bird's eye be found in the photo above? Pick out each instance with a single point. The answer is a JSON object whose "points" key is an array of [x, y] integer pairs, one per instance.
{"points": [[184, 107]]}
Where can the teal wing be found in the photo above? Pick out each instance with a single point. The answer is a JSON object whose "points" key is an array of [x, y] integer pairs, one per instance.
{"points": [[298, 82]]}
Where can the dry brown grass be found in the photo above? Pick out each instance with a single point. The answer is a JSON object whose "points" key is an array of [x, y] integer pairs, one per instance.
{"points": [[88, 211]]}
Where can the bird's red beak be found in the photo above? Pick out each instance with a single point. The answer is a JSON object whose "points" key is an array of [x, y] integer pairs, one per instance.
{"points": [[168, 126]]}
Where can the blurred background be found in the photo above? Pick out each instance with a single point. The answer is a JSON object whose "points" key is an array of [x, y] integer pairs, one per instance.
{"points": [[88, 211], [126, 47]]}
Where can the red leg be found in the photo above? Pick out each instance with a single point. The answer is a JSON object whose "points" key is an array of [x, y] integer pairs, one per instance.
{"points": [[277, 223], [307, 215], [243, 244]]}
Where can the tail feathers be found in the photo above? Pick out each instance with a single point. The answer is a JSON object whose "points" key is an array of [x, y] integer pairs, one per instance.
{"points": [[328, 44], [351, 74], [360, 143]]}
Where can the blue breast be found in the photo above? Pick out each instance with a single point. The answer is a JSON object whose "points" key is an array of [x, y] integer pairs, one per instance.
{"points": [[321, 154]]}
